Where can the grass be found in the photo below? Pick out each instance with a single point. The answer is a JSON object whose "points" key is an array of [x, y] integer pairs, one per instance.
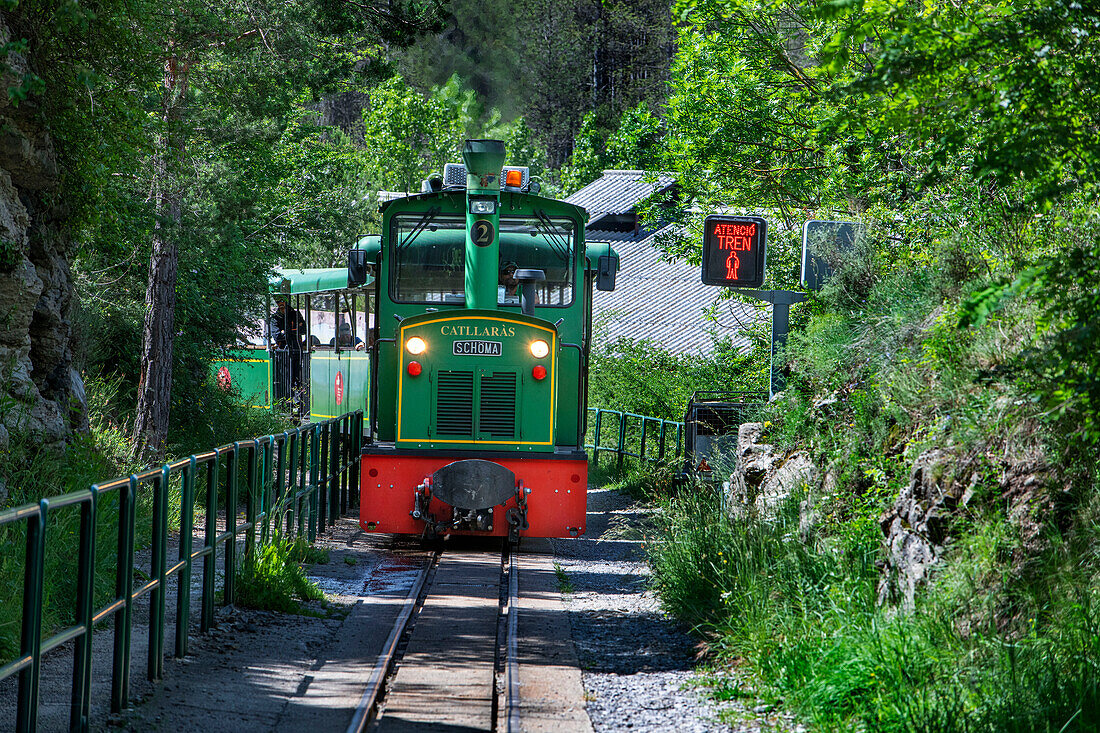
{"points": [[642, 480], [271, 577], [987, 649], [565, 585], [31, 475]]}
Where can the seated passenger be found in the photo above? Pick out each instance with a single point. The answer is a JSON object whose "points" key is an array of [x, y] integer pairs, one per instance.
{"points": [[508, 287], [344, 338]]}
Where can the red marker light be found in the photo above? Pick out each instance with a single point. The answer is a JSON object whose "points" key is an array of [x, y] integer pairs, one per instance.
{"points": [[414, 369], [539, 372]]}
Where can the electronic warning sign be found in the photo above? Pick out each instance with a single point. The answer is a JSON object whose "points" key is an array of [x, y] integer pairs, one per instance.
{"points": [[734, 249]]}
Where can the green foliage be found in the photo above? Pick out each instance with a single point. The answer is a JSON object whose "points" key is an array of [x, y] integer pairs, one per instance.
{"points": [[254, 180], [802, 618], [643, 378], [30, 475], [10, 255], [272, 579], [551, 61], [956, 134], [932, 78], [1062, 367], [647, 480], [587, 162], [636, 143], [565, 585], [213, 417], [408, 136]]}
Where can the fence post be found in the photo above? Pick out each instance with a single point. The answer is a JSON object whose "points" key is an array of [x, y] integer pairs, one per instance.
{"points": [[229, 588], [267, 488], [596, 440], [302, 501], [278, 500], [345, 464], [661, 440], [124, 590], [31, 631], [323, 481], [80, 710], [641, 453], [293, 451], [156, 569], [210, 544], [622, 437], [183, 585], [314, 487], [335, 476], [356, 450], [252, 476]]}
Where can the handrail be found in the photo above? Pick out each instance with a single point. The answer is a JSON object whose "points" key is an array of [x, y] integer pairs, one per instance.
{"points": [[660, 426], [304, 475]]}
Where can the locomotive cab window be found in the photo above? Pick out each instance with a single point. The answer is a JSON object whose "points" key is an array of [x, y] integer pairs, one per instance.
{"points": [[429, 259], [537, 244], [430, 256]]}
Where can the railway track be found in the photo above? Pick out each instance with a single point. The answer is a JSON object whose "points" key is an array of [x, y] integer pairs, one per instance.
{"points": [[450, 662]]}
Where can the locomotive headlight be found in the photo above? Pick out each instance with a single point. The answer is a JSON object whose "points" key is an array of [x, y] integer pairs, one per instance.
{"points": [[539, 349], [416, 345], [483, 206]]}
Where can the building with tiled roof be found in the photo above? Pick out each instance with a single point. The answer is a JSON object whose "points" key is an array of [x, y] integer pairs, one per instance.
{"points": [[655, 299]]}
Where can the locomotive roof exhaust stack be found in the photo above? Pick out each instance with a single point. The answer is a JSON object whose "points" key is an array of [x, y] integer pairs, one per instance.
{"points": [[484, 160]]}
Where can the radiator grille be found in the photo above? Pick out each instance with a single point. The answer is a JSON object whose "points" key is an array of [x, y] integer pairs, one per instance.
{"points": [[497, 413], [454, 400]]}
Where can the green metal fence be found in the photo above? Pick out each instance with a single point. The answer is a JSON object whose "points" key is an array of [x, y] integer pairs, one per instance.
{"points": [[633, 436], [305, 475]]}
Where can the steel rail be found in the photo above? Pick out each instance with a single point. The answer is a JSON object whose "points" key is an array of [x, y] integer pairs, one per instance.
{"points": [[368, 704], [512, 705]]}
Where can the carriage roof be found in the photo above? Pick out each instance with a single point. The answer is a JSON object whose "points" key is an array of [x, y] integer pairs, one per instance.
{"points": [[310, 280]]}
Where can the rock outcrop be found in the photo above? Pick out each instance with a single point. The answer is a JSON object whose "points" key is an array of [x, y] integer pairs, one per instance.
{"points": [[36, 364], [764, 478], [915, 528]]}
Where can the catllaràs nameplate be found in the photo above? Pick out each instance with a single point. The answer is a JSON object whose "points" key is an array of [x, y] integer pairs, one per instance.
{"points": [[477, 348]]}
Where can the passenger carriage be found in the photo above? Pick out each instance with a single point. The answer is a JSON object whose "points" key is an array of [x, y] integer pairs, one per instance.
{"points": [[333, 374]]}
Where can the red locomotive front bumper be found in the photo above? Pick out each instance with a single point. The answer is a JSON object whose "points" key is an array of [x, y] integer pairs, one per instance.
{"points": [[555, 490]]}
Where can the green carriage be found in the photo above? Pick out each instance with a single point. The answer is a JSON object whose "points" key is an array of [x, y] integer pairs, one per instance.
{"points": [[328, 375]]}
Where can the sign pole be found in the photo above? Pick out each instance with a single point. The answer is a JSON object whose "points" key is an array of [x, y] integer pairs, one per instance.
{"points": [[781, 301], [735, 257]]}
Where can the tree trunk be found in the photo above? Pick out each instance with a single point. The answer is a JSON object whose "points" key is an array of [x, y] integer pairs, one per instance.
{"points": [[155, 385]]}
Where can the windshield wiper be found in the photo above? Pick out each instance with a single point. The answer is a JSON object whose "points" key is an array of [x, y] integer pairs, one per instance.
{"points": [[559, 243], [416, 230]]}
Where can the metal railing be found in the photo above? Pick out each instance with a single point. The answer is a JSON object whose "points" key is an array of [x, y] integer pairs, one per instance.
{"points": [[636, 436], [304, 475]]}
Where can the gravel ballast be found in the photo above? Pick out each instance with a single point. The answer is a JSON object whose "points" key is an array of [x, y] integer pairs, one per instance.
{"points": [[638, 663]]}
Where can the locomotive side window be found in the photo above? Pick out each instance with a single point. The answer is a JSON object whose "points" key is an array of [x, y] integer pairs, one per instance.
{"points": [[429, 257]]}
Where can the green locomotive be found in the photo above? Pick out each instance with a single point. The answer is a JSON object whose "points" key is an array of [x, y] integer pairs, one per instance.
{"points": [[482, 325]]}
